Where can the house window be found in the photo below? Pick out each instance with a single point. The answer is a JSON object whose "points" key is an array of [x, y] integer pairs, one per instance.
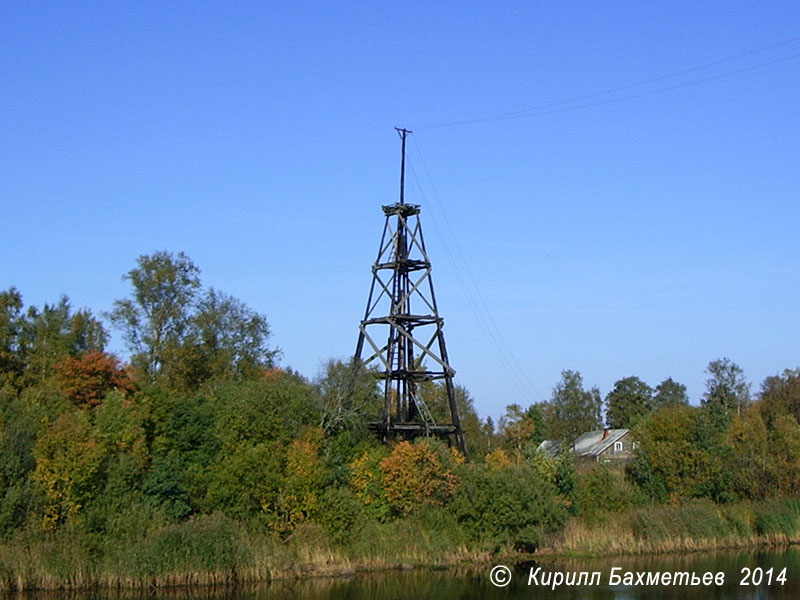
{"points": [[617, 446]]}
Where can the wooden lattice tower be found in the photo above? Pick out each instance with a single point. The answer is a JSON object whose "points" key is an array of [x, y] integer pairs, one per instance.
{"points": [[402, 300]]}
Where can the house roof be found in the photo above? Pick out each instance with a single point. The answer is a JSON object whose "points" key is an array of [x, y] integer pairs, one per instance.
{"points": [[591, 443]]}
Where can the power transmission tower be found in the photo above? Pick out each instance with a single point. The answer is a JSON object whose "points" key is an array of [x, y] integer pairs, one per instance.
{"points": [[401, 298]]}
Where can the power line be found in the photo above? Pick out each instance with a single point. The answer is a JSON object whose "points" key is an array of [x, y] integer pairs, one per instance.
{"points": [[471, 290], [559, 105]]}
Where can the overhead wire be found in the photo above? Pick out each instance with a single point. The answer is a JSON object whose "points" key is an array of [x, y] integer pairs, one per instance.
{"points": [[471, 289], [568, 104]]}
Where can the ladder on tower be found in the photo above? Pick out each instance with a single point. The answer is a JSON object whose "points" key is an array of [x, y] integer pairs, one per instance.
{"points": [[414, 337]]}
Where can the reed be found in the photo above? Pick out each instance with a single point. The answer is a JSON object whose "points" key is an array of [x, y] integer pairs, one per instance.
{"points": [[690, 526], [215, 550]]}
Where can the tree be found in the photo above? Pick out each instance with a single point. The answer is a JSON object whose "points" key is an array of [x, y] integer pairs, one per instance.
{"points": [[747, 436], [233, 335], [348, 394], [565, 479], [417, 474], [157, 316], [628, 403], [12, 351], [47, 335], [488, 436], [669, 464], [224, 339], [68, 465], [785, 455], [522, 430], [305, 477], [434, 395], [573, 410], [780, 395], [186, 338], [507, 505], [726, 390], [670, 393], [86, 379]]}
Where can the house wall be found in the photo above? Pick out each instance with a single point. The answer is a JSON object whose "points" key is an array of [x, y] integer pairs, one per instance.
{"points": [[626, 454]]}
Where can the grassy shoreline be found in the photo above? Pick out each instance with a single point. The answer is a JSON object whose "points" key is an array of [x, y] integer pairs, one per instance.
{"points": [[691, 526], [217, 551]]}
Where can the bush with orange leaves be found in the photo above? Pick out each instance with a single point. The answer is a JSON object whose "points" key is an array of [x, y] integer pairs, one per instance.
{"points": [[86, 379], [305, 474], [410, 477], [498, 459]]}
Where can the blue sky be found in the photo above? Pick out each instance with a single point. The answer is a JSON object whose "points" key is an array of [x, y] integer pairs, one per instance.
{"points": [[633, 211]]}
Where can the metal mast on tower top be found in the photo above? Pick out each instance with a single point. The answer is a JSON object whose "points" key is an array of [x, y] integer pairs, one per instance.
{"points": [[402, 300]]}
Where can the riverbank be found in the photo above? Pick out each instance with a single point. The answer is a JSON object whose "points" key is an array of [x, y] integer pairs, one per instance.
{"points": [[216, 550], [691, 526]]}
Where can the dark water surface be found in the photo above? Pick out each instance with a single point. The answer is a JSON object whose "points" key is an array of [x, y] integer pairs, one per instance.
{"points": [[475, 584]]}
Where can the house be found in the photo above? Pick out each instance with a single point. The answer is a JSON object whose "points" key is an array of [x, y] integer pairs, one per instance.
{"points": [[603, 445]]}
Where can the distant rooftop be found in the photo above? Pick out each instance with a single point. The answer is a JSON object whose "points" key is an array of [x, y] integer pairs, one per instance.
{"points": [[590, 444]]}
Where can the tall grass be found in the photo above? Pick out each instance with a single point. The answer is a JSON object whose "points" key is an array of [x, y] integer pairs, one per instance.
{"points": [[142, 550], [216, 550], [692, 525]]}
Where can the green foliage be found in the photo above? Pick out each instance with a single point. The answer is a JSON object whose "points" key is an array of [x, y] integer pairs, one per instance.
{"points": [[669, 464], [119, 425], [224, 340], [20, 424], [155, 319], [628, 403], [34, 341], [778, 517], [785, 455], [565, 479], [12, 343], [189, 427], [574, 410], [164, 488], [669, 393], [696, 520], [406, 479], [341, 450], [183, 337], [747, 437], [522, 430], [366, 481], [21, 502], [602, 490], [348, 395], [340, 514], [780, 395], [727, 391], [512, 506], [68, 463], [276, 407]]}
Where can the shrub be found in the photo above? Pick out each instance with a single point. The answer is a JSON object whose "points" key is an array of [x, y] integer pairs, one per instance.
{"points": [[507, 506]]}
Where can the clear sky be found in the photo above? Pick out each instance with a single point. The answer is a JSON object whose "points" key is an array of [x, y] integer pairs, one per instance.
{"points": [[633, 210]]}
